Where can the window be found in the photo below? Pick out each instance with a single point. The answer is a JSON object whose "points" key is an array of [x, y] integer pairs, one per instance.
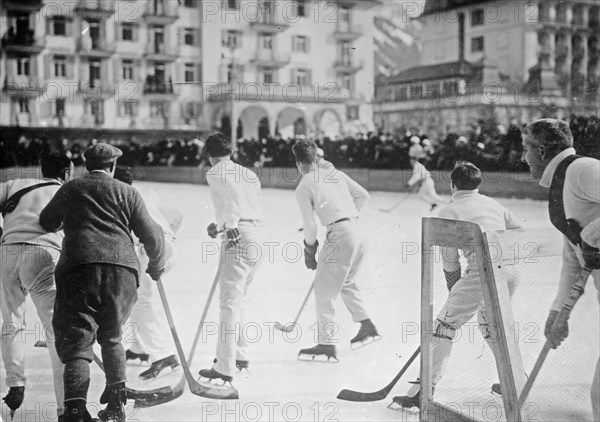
{"points": [[266, 41], [189, 72], [188, 37], [432, 90], [477, 17], [191, 110], [127, 70], [59, 25], [232, 39], [60, 106], [94, 71], [450, 89], [128, 32], [300, 43], [60, 66], [23, 105], [130, 108], [232, 4], [346, 81], [301, 77], [268, 75], [157, 109], [23, 66], [97, 108], [300, 8], [189, 3], [344, 14], [477, 45], [352, 112]]}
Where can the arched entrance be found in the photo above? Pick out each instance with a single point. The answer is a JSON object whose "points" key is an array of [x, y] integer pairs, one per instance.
{"points": [[291, 122], [254, 121], [328, 122]]}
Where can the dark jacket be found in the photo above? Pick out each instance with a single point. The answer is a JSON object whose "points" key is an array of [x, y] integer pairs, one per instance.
{"points": [[97, 214]]}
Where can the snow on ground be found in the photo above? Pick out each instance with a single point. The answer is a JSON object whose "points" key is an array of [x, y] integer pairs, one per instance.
{"points": [[279, 387]]}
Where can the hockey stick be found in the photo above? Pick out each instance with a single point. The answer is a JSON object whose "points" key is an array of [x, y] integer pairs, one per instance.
{"points": [[290, 326], [574, 295], [351, 395], [400, 202], [212, 392], [149, 398]]}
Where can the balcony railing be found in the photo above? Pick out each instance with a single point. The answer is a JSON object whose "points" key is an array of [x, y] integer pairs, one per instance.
{"points": [[23, 42], [96, 88], [347, 32], [160, 52], [95, 47], [95, 9], [269, 23], [23, 5], [161, 13], [270, 58], [292, 93], [23, 85], [348, 65], [158, 88]]}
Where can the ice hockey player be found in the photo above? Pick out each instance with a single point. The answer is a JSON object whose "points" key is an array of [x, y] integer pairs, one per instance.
{"points": [[574, 206], [153, 337], [427, 186], [465, 299], [29, 256], [337, 201], [97, 276], [237, 200]]}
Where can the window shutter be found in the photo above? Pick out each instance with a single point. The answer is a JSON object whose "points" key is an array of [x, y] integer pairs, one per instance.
{"points": [[50, 25], [292, 76], [46, 108], [224, 38], [137, 74], [69, 27], [199, 73], [307, 43], [309, 77], [48, 66], [118, 70], [70, 67], [179, 76]]}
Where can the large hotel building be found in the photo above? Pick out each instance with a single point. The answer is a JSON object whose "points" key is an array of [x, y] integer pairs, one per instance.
{"points": [[247, 67]]}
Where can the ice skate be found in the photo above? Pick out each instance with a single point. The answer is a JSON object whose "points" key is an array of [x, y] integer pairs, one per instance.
{"points": [[211, 374], [143, 357], [159, 366], [366, 334], [319, 353], [14, 399], [406, 402], [115, 396], [240, 364]]}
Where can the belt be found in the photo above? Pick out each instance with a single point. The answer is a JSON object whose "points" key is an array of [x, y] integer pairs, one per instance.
{"points": [[341, 220], [245, 220]]}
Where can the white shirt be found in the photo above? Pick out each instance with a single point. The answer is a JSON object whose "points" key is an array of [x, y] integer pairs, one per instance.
{"points": [[420, 173], [235, 192], [329, 193]]}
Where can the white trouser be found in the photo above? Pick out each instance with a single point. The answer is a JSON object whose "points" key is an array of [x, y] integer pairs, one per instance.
{"points": [[340, 260], [465, 300], [428, 194], [149, 331], [238, 268], [27, 269]]}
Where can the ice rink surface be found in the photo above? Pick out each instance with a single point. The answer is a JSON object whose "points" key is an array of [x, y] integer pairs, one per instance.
{"points": [[279, 387]]}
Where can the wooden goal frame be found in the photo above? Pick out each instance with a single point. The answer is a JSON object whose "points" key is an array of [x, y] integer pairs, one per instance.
{"points": [[492, 250]]}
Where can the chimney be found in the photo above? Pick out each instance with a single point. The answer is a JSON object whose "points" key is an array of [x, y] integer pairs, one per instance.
{"points": [[461, 36]]}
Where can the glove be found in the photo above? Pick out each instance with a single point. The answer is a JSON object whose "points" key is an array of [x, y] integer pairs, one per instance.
{"points": [[212, 230], [451, 278], [555, 335], [573, 232], [310, 255], [233, 237], [591, 256], [155, 273]]}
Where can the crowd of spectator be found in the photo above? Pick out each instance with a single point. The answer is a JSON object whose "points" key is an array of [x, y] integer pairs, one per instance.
{"points": [[491, 147]]}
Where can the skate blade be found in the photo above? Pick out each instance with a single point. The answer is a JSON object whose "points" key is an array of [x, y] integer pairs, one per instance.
{"points": [[163, 373], [287, 328], [317, 358], [365, 342], [398, 408]]}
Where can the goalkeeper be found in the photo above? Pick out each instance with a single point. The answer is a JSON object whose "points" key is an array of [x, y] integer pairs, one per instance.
{"points": [[466, 296]]}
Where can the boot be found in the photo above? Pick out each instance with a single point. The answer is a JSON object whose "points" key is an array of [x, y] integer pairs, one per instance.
{"points": [[407, 402], [211, 374], [14, 399], [157, 367], [116, 397], [143, 357], [366, 334], [239, 364], [319, 353], [76, 411]]}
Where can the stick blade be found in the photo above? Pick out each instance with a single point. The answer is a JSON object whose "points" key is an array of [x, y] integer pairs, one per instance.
{"points": [[351, 395], [212, 391], [287, 328], [157, 396]]}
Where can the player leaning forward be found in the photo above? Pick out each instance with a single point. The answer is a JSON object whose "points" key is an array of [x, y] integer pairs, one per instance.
{"points": [[574, 206], [236, 196], [97, 276], [29, 255], [337, 201]]}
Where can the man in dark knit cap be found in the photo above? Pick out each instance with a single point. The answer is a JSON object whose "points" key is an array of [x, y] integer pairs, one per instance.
{"points": [[97, 276]]}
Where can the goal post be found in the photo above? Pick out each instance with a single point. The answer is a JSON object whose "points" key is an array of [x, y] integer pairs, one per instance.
{"points": [[493, 252]]}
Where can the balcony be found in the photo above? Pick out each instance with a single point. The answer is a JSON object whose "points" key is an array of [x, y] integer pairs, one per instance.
{"points": [[96, 48], [23, 43], [95, 9], [275, 93], [347, 32], [348, 65], [23, 86], [161, 13], [269, 24], [92, 89], [158, 90], [160, 53], [23, 5], [270, 58]]}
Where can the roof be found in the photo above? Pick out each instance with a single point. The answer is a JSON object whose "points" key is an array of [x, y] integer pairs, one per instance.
{"points": [[434, 72], [436, 6]]}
